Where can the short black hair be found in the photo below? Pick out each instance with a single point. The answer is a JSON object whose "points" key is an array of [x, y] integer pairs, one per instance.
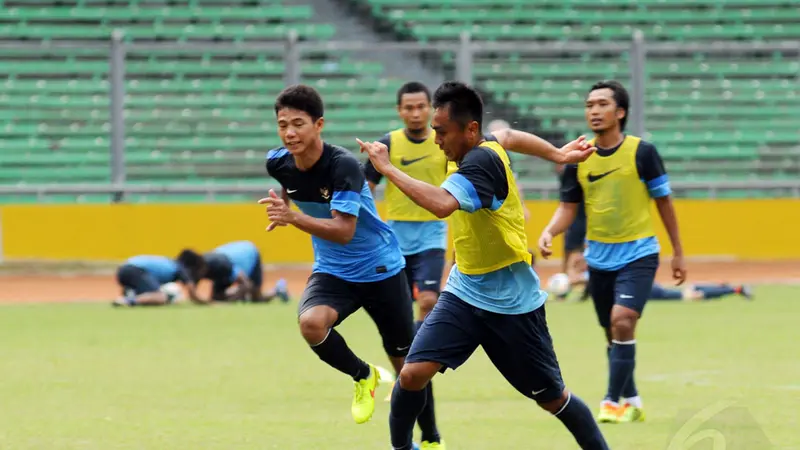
{"points": [[464, 102], [621, 97], [303, 98], [412, 87], [194, 263]]}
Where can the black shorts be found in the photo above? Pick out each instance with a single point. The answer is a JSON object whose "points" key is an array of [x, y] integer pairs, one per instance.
{"points": [[220, 286], [388, 302], [518, 345], [629, 286], [137, 279], [425, 269]]}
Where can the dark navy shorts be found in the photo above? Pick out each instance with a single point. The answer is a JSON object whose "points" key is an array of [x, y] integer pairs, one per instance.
{"points": [[629, 287], [388, 302], [425, 270], [518, 345], [137, 279]]}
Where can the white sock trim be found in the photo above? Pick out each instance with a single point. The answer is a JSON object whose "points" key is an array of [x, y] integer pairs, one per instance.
{"points": [[631, 342], [323, 340], [569, 397]]}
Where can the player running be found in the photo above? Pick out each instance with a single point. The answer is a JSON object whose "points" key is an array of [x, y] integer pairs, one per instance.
{"points": [[617, 184], [236, 274], [357, 259], [422, 236], [141, 278], [492, 297]]}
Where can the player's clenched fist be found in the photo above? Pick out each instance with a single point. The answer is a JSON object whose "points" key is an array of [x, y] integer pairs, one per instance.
{"points": [[278, 211], [546, 244], [378, 154]]}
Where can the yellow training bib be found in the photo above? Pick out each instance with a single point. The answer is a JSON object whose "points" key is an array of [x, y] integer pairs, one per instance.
{"points": [[617, 200], [423, 161], [487, 240]]}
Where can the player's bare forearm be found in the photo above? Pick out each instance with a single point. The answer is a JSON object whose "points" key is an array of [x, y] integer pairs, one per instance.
{"points": [[339, 229], [193, 297], [529, 144], [562, 219], [667, 212], [432, 198]]}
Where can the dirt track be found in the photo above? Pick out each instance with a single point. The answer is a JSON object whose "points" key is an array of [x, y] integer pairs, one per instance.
{"points": [[54, 288]]}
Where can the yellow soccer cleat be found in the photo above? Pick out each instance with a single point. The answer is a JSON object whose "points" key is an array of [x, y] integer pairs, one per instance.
{"points": [[631, 413], [609, 413], [432, 445], [364, 396]]}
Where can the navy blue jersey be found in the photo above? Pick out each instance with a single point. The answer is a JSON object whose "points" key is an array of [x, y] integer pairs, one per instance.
{"points": [[336, 183]]}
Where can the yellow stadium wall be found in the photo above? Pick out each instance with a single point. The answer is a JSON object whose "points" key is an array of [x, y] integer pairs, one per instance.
{"points": [[744, 229]]}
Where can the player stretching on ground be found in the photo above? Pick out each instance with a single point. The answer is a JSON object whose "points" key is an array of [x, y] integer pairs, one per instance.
{"points": [[141, 278], [235, 271], [492, 297], [617, 183], [357, 259]]}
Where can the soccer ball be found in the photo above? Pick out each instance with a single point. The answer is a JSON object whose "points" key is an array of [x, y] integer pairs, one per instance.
{"points": [[174, 292], [558, 284]]}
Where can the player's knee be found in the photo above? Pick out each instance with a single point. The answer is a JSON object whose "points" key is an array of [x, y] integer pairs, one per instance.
{"points": [[413, 377], [314, 325], [554, 406], [426, 301], [623, 326]]}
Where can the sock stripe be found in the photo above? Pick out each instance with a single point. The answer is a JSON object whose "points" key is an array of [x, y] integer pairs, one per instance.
{"points": [[569, 397], [631, 342], [324, 339]]}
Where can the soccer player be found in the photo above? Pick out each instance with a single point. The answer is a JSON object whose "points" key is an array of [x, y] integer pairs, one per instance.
{"points": [[492, 297], [422, 236], [141, 278], [357, 259], [235, 272], [617, 184]]}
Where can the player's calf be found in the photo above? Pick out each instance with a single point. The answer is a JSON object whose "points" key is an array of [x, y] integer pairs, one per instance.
{"points": [[577, 417]]}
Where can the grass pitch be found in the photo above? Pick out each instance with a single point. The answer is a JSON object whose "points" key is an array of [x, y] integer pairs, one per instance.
{"points": [[86, 376]]}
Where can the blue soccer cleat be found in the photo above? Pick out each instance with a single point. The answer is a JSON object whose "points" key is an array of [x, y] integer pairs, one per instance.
{"points": [[282, 290]]}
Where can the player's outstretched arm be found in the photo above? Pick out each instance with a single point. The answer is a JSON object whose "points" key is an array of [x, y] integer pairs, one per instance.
{"points": [[339, 229], [667, 212], [530, 144], [432, 198]]}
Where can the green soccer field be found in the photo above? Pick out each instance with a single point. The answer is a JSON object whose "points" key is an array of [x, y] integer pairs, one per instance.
{"points": [[86, 376]]}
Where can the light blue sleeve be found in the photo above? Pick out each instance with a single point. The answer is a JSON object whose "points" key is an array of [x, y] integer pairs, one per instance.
{"points": [[659, 187], [348, 202], [464, 191]]}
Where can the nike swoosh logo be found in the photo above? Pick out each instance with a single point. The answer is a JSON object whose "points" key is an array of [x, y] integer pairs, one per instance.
{"points": [[539, 391], [291, 191], [593, 178], [407, 162]]}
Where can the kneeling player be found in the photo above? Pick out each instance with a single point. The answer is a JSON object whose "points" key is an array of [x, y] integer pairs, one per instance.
{"points": [[235, 271], [141, 278]]}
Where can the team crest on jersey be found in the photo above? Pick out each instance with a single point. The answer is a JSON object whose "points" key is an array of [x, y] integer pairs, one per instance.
{"points": [[325, 193]]}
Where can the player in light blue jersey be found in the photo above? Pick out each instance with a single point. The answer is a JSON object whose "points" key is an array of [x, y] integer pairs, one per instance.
{"points": [[235, 271], [357, 259], [141, 278]]}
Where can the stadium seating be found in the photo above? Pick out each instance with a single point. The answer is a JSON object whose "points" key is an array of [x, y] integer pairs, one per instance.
{"points": [[195, 117], [734, 111]]}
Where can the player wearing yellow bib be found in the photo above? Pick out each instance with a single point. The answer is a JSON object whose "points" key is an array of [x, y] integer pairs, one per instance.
{"points": [[422, 236], [492, 297], [616, 184]]}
